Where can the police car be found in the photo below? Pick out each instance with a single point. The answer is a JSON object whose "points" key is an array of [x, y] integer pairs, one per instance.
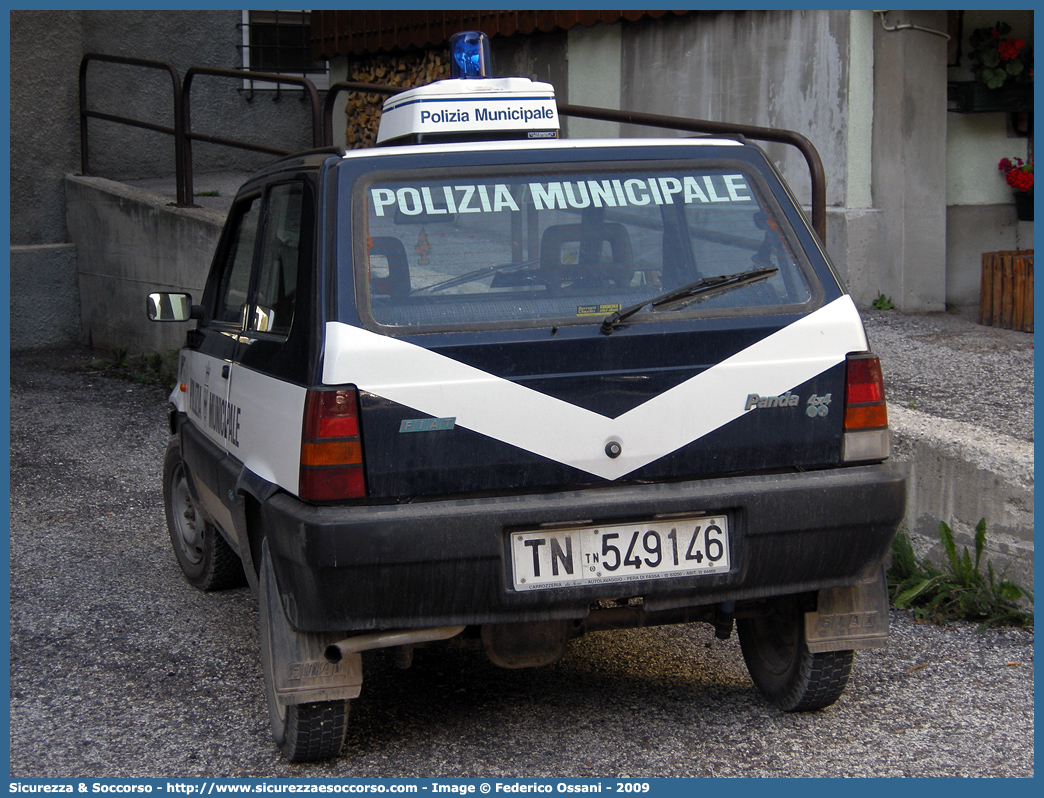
{"points": [[483, 384]]}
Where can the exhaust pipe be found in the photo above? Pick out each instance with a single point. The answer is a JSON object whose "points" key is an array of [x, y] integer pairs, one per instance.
{"points": [[353, 645]]}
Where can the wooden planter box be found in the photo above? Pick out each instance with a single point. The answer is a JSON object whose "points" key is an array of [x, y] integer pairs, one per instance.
{"points": [[1006, 292]]}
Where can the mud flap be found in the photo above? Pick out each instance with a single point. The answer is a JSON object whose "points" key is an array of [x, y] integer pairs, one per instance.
{"points": [[296, 671], [848, 618]]}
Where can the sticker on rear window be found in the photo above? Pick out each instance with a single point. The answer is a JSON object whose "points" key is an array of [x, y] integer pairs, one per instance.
{"points": [[597, 310]]}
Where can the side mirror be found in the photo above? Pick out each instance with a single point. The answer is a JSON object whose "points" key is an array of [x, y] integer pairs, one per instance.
{"points": [[163, 306]]}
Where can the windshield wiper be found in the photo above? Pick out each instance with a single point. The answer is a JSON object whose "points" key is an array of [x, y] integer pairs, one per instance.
{"points": [[687, 293]]}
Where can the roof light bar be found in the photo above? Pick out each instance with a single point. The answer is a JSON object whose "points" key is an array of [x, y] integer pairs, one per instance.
{"points": [[469, 55], [470, 105]]}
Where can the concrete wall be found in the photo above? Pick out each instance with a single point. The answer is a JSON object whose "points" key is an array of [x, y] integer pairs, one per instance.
{"points": [[539, 58], [806, 71], [46, 48], [129, 243], [784, 69], [44, 147], [962, 472], [871, 100], [218, 105], [596, 78], [872, 103], [909, 174]]}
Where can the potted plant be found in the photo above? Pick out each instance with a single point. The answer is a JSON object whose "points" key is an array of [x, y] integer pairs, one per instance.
{"points": [[998, 60], [1019, 176], [1003, 70]]}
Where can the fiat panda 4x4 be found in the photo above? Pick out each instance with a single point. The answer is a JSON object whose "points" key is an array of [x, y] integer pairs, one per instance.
{"points": [[496, 387]]}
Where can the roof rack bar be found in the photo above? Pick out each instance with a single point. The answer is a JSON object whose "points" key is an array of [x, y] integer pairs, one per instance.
{"points": [[348, 86], [811, 155]]}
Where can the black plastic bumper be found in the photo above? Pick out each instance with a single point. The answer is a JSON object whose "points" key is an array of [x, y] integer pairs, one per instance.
{"points": [[439, 563]]}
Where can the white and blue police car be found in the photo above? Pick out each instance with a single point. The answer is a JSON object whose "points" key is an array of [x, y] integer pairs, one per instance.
{"points": [[485, 384]]}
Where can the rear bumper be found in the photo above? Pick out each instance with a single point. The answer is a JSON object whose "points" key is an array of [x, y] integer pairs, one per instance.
{"points": [[443, 563]]}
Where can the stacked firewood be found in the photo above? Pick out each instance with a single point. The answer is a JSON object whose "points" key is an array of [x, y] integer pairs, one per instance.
{"points": [[407, 70]]}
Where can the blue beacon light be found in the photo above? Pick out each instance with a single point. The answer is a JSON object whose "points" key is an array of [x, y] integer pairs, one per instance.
{"points": [[469, 55]]}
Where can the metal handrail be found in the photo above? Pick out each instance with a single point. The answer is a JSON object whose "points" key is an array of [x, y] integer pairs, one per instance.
{"points": [[177, 131], [238, 74], [322, 124]]}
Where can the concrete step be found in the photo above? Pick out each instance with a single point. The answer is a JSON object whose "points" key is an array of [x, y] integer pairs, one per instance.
{"points": [[960, 405]]}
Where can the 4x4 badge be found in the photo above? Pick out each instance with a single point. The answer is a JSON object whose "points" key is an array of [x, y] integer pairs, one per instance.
{"points": [[817, 406]]}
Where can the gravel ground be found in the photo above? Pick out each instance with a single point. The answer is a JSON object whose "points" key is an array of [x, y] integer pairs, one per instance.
{"points": [[947, 365], [120, 669]]}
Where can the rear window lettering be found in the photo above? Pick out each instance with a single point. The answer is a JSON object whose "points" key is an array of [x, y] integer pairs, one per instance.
{"points": [[687, 189], [449, 252]]}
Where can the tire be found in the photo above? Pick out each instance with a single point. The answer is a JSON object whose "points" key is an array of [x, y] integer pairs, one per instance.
{"points": [[310, 732], [782, 667], [207, 561], [303, 732]]}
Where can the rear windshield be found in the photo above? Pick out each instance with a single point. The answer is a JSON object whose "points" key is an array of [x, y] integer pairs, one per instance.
{"points": [[512, 248]]}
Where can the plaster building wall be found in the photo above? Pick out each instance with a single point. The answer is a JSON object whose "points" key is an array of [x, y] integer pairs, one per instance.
{"points": [[46, 48], [44, 309], [45, 57], [219, 106], [980, 206]]}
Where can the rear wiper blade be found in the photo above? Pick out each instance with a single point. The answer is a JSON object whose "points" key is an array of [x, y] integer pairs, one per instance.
{"points": [[685, 294]]}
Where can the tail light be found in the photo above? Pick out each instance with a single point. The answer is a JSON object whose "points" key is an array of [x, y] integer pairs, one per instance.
{"points": [[866, 416], [331, 450]]}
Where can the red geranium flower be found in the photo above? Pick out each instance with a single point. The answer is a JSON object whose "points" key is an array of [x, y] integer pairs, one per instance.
{"points": [[1008, 49], [1019, 180], [1017, 174]]}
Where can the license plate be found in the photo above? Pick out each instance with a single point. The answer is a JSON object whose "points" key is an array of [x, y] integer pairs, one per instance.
{"points": [[619, 552]]}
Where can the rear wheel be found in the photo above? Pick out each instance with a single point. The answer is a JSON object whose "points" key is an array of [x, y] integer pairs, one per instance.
{"points": [[207, 561], [309, 732], [782, 667], [303, 732]]}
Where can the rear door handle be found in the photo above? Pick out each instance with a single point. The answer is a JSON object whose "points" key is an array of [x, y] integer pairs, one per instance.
{"points": [[224, 371]]}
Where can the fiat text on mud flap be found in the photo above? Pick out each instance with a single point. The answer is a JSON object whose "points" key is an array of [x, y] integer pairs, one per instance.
{"points": [[492, 387]]}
